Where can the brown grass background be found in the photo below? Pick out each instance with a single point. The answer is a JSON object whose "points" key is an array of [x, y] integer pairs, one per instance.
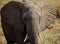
{"points": [[49, 36]]}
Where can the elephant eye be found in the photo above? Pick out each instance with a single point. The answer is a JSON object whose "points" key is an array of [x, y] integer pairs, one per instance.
{"points": [[24, 20]]}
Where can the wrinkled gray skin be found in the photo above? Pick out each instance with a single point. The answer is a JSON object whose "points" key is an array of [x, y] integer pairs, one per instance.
{"points": [[18, 19]]}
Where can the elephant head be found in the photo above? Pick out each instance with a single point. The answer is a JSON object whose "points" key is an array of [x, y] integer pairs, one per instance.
{"points": [[37, 18]]}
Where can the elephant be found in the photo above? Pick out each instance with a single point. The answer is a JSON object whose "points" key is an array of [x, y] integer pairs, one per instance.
{"points": [[21, 18]]}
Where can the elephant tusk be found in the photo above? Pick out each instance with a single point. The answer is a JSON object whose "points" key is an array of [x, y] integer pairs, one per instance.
{"points": [[26, 38]]}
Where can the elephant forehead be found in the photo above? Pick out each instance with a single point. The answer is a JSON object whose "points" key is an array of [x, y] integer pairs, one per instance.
{"points": [[36, 12], [32, 8], [30, 4]]}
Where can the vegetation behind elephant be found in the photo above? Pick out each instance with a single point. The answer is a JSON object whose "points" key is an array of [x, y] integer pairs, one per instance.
{"points": [[18, 19]]}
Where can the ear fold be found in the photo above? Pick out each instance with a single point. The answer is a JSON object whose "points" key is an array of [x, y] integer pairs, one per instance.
{"points": [[48, 16]]}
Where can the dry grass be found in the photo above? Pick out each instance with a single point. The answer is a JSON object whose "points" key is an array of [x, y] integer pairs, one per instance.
{"points": [[51, 35], [2, 38]]}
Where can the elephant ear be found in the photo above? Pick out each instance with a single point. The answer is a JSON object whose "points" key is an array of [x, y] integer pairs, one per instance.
{"points": [[48, 16]]}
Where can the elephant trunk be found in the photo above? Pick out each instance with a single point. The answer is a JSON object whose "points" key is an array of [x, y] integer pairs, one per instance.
{"points": [[31, 20]]}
